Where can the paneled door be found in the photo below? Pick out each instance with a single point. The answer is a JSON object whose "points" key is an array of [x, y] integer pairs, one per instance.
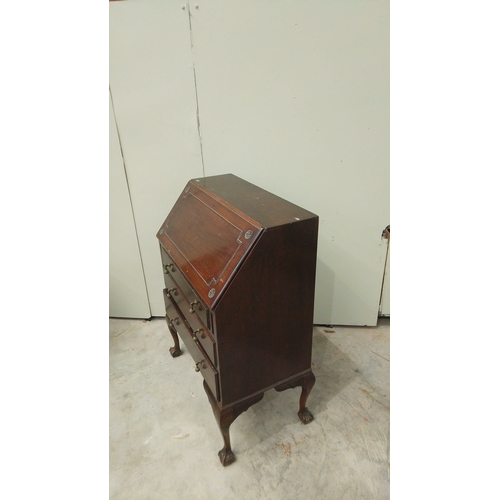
{"points": [[153, 90], [294, 97], [127, 289]]}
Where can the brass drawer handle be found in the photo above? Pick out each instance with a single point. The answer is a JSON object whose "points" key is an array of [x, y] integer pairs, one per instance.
{"points": [[172, 290], [166, 266], [202, 335], [192, 304], [174, 320], [197, 365]]}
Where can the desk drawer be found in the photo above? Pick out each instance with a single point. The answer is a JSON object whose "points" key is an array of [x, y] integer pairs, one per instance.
{"points": [[171, 270], [191, 318], [175, 319]]}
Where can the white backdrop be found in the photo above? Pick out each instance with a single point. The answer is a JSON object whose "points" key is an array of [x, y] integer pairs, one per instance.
{"points": [[293, 97]]}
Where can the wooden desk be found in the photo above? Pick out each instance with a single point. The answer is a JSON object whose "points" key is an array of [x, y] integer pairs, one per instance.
{"points": [[239, 266]]}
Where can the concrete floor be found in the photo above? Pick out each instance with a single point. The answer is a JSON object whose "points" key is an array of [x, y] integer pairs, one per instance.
{"points": [[164, 439]]}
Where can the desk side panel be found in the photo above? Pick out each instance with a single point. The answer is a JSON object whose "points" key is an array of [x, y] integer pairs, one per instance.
{"points": [[264, 320]]}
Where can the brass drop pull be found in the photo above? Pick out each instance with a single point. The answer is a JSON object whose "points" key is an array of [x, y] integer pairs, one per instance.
{"points": [[174, 320], [192, 304], [166, 266], [197, 366], [202, 335], [170, 291]]}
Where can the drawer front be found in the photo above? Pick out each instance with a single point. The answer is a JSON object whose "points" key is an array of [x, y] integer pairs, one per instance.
{"points": [[174, 317], [176, 321], [200, 312], [203, 337], [197, 328], [169, 268]]}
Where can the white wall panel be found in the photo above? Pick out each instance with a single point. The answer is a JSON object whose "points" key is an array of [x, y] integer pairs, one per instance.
{"points": [[151, 80], [294, 96], [127, 290]]}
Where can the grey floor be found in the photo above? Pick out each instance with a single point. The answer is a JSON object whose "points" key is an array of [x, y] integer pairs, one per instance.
{"points": [[164, 439]]}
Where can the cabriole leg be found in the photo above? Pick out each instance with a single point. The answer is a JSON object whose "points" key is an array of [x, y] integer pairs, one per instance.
{"points": [[226, 455], [176, 350], [306, 382], [225, 417], [304, 414]]}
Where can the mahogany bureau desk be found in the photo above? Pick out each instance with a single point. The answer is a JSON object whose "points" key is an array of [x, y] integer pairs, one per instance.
{"points": [[239, 266]]}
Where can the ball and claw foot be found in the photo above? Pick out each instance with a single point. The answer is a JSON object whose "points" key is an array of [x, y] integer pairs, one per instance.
{"points": [[175, 351], [226, 457], [305, 416]]}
